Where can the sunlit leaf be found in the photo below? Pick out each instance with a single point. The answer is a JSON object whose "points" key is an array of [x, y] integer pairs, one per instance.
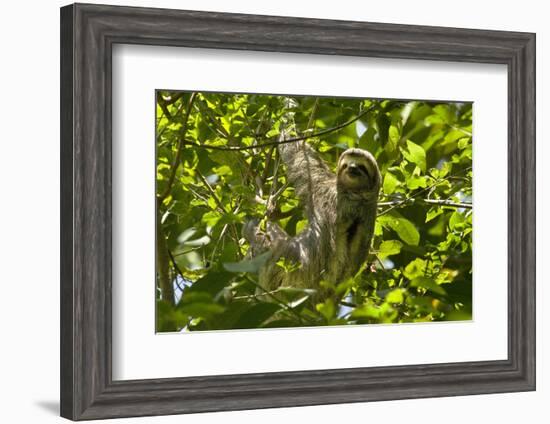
{"points": [[405, 229], [366, 311], [395, 296], [428, 284], [389, 247], [390, 183], [433, 212], [327, 309], [202, 241], [416, 268], [415, 154]]}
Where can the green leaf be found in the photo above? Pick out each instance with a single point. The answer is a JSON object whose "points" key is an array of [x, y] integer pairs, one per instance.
{"points": [[406, 111], [395, 296], [444, 111], [453, 136], [203, 310], [255, 316], [198, 304], [327, 309], [300, 225], [464, 142], [389, 248], [428, 284], [211, 202], [190, 260], [202, 241], [416, 182], [297, 302], [186, 234], [211, 218], [281, 323], [378, 231], [415, 154], [248, 265], [169, 318], [390, 183], [432, 213], [393, 138], [415, 269], [195, 297], [433, 120], [366, 311], [405, 229], [212, 283], [456, 222], [223, 170]]}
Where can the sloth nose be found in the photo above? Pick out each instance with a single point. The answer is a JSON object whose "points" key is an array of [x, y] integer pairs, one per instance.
{"points": [[353, 169]]}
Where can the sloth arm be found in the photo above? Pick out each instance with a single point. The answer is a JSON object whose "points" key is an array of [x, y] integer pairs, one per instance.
{"points": [[307, 172], [262, 240]]}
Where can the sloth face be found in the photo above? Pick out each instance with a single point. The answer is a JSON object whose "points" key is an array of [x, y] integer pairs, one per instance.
{"points": [[358, 171]]}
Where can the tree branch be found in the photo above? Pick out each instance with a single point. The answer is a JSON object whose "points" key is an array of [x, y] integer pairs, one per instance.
{"points": [[173, 260], [411, 199], [276, 299], [447, 203], [437, 202], [165, 284], [177, 159], [221, 207], [276, 143]]}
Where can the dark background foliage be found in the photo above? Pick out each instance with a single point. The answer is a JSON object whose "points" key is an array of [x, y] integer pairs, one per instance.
{"points": [[217, 167]]}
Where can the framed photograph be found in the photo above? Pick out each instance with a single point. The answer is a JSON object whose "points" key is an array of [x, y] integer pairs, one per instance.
{"points": [[264, 212]]}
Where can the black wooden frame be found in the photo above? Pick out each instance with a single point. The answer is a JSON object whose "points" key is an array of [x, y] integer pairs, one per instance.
{"points": [[88, 33]]}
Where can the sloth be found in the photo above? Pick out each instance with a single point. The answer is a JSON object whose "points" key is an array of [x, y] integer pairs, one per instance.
{"points": [[341, 212]]}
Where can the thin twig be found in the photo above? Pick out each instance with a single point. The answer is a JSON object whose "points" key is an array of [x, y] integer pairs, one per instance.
{"points": [[222, 209], [277, 300], [220, 238], [312, 115], [220, 129], [438, 202], [379, 261], [278, 142], [162, 131], [447, 203], [255, 296], [174, 98], [177, 159], [222, 234], [266, 164], [454, 127], [211, 190], [411, 198], [191, 249], [176, 267]]}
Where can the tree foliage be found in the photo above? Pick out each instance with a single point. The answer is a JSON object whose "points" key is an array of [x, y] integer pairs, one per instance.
{"points": [[217, 167]]}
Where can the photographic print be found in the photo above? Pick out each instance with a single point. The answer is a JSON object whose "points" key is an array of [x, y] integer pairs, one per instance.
{"points": [[300, 211]]}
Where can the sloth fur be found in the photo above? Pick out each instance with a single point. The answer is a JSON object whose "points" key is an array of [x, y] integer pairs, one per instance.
{"points": [[341, 211]]}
